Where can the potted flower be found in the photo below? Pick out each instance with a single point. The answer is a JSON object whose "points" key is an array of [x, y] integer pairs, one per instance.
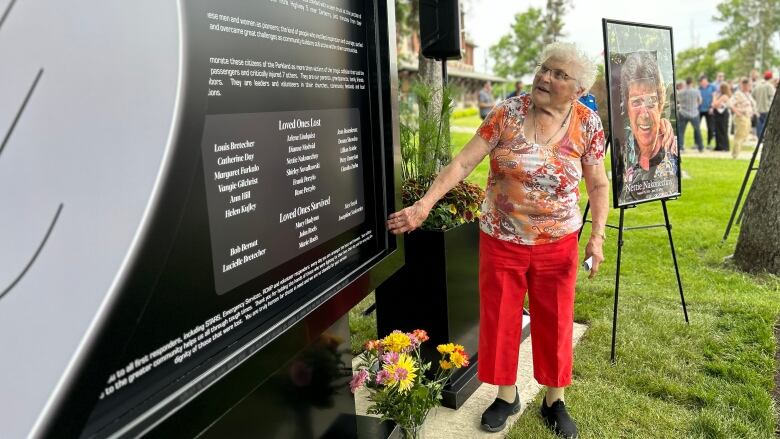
{"points": [[397, 379], [440, 273]]}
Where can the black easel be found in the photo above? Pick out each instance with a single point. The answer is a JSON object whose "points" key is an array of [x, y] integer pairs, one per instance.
{"points": [[620, 228], [750, 169]]}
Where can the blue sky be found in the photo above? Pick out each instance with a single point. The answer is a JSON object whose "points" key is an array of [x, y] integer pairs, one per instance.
{"points": [[691, 21]]}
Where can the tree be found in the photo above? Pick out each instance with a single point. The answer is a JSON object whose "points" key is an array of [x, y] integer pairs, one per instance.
{"points": [[745, 43], [429, 71], [553, 20], [758, 245], [750, 27], [517, 52], [696, 61], [407, 20]]}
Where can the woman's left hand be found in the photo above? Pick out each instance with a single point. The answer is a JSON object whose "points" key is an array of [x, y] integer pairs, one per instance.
{"points": [[667, 137], [594, 249], [408, 219]]}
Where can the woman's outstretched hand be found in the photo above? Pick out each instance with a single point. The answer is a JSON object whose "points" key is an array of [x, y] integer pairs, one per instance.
{"points": [[408, 219]]}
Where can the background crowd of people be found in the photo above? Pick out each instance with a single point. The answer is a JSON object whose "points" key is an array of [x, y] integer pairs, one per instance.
{"points": [[731, 110], [730, 113]]}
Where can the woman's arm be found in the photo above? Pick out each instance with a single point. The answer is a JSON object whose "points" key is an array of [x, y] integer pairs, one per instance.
{"points": [[721, 101], [597, 185], [715, 101], [468, 158]]}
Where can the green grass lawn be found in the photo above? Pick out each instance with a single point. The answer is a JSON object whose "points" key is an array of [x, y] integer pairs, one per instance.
{"points": [[469, 122], [712, 378]]}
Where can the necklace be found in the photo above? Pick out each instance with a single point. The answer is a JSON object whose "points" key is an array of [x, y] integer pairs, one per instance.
{"points": [[536, 130]]}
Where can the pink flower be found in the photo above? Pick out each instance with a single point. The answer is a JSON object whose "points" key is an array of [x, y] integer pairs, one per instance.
{"points": [[358, 380], [400, 374], [382, 376], [390, 358]]}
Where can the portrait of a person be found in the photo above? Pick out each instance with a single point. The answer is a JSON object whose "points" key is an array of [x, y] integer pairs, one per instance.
{"points": [[649, 151]]}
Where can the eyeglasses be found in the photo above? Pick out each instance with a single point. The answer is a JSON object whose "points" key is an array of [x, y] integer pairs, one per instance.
{"points": [[558, 75], [649, 101]]}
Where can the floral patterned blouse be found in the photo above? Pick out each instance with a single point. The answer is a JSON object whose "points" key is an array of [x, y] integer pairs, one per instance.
{"points": [[532, 190]]}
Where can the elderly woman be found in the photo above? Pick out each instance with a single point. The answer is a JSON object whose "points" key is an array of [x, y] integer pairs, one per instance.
{"points": [[650, 150], [540, 146]]}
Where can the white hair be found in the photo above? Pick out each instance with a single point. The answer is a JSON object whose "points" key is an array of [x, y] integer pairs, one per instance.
{"points": [[584, 68]]}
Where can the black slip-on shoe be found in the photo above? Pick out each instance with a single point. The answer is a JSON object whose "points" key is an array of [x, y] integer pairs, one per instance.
{"points": [[494, 418], [558, 420]]}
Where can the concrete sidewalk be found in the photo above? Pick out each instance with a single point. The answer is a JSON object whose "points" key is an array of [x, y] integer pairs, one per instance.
{"points": [[446, 423], [710, 154]]}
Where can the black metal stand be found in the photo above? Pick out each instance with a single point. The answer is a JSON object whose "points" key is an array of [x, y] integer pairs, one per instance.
{"points": [[617, 285], [750, 169], [621, 228]]}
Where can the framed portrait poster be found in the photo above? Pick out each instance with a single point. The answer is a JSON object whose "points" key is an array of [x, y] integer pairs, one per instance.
{"points": [[639, 68]]}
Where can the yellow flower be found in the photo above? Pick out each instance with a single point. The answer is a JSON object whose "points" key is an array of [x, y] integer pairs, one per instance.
{"points": [[459, 359], [402, 373], [397, 341], [444, 364], [453, 209], [445, 348]]}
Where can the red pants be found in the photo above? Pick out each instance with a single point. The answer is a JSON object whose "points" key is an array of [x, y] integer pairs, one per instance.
{"points": [[548, 272]]}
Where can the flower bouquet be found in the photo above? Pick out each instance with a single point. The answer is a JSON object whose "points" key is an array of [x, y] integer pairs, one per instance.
{"points": [[395, 375]]}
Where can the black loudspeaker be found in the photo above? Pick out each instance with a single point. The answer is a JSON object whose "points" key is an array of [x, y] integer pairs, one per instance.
{"points": [[440, 29]]}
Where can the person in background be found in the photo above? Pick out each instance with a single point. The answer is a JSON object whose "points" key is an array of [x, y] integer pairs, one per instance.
{"points": [[541, 145], [518, 91], [720, 106], [705, 108], [689, 100], [743, 106], [754, 79], [720, 78], [763, 93], [486, 100], [588, 100]]}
